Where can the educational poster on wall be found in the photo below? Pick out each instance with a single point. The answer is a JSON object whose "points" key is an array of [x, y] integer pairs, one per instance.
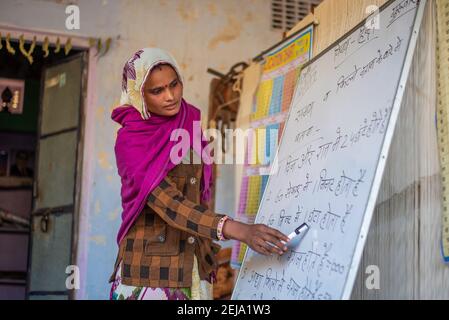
{"points": [[272, 100], [331, 159]]}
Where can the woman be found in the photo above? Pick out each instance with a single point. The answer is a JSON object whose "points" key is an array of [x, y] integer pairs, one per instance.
{"points": [[166, 248]]}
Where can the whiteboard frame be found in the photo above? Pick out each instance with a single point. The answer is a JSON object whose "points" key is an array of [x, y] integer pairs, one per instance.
{"points": [[377, 180]]}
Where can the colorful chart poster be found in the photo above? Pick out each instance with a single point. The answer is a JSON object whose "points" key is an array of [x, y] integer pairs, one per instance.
{"points": [[281, 69]]}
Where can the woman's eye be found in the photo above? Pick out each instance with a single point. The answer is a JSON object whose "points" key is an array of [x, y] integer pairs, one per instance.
{"points": [[173, 84], [156, 91]]}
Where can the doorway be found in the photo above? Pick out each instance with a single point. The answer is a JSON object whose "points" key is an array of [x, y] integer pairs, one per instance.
{"points": [[41, 133]]}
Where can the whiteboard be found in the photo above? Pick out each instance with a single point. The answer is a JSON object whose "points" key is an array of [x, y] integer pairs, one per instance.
{"points": [[331, 158]]}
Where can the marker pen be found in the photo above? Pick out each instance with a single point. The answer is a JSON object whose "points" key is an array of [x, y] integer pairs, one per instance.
{"points": [[300, 230]]}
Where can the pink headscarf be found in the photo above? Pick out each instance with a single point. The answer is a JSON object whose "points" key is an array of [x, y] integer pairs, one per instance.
{"points": [[143, 143]]}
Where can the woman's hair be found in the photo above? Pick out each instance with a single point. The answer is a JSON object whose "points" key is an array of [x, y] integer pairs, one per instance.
{"points": [[159, 65]]}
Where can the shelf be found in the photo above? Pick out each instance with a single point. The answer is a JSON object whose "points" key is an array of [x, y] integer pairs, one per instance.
{"points": [[10, 282], [14, 278], [11, 183], [14, 230]]}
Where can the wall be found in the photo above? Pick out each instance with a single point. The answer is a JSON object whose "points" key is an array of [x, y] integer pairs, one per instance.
{"points": [[200, 34]]}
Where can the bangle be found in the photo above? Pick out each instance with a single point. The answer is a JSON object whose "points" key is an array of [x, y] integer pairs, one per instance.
{"points": [[221, 223]]}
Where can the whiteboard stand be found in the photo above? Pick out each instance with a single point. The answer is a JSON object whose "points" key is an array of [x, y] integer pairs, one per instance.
{"points": [[384, 153]]}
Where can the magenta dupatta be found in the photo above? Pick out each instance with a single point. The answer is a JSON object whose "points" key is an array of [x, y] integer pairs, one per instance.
{"points": [[142, 153]]}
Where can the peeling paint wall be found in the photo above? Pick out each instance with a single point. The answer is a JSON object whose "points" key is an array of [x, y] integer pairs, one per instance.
{"points": [[199, 33]]}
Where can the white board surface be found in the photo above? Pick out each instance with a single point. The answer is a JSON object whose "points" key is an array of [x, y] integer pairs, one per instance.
{"points": [[331, 160]]}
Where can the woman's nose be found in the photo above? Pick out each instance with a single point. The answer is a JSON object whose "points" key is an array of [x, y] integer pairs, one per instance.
{"points": [[169, 95]]}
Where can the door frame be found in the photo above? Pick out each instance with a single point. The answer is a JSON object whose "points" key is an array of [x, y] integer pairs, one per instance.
{"points": [[84, 165]]}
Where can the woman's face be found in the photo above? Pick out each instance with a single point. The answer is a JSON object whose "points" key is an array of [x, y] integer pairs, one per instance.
{"points": [[162, 91]]}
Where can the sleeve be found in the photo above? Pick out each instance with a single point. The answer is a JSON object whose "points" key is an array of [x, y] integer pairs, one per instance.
{"points": [[177, 211]]}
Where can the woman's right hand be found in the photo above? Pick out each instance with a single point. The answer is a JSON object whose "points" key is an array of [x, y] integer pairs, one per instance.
{"points": [[259, 237]]}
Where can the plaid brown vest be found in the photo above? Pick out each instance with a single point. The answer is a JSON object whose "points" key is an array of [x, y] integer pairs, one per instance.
{"points": [[155, 254]]}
